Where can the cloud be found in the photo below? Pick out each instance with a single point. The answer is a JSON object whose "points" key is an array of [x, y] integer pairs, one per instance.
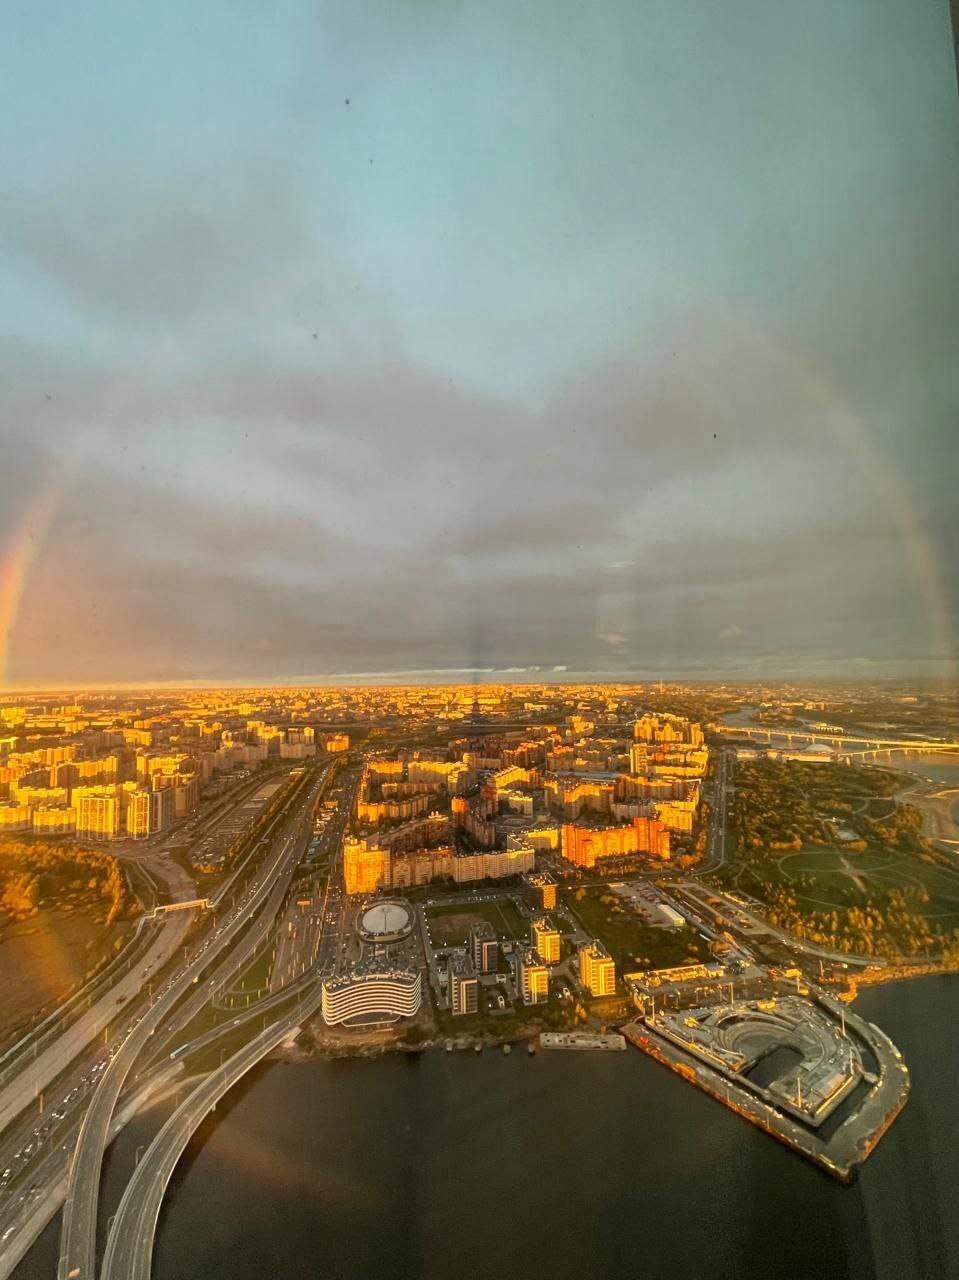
{"points": [[314, 520], [127, 249], [512, 363]]}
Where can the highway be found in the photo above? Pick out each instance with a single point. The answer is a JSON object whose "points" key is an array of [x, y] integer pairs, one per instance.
{"points": [[78, 1235], [238, 958], [176, 886], [54, 1107], [29, 1068], [28, 1213], [33, 1077], [40, 1148], [297, 940], [129, 1249], [722, 793], [300, 950]]}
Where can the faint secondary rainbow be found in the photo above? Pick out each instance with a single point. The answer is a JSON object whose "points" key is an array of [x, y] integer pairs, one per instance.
{"points": [[18, 558], [892, 488]]}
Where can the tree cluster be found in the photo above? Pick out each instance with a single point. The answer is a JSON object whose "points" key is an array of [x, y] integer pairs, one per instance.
{"points": [[35, 876]]}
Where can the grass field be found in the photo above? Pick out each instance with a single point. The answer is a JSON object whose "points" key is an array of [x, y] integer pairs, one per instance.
{"points": [[631, 943], [210, 1057], [46, 957], [450, 925], [257, 976], [825, 879]]}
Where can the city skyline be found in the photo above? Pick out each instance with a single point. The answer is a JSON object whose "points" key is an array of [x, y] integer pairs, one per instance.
{"points": [[204, 880], [448, 341]]}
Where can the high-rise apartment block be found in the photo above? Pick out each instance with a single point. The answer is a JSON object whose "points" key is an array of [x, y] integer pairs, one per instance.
{"points": [[597, 972], [365, 869], [539, 890], [98, 812], [546, 939], [533, 977], [148, 812], [483, 947], [585, 845], [463, 985]]}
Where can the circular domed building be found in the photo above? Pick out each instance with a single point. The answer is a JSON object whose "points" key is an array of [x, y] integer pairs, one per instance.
{"points": [[381, 923]]}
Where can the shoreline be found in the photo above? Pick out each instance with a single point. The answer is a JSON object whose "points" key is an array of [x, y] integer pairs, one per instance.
{"points": [[936, 807], [334, 1049], [934, 800], [343, 1049], [903, 973]]}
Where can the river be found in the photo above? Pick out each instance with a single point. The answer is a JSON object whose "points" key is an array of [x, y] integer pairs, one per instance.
{"points": [[936, 766], [566, 1164], [560, 1165]]}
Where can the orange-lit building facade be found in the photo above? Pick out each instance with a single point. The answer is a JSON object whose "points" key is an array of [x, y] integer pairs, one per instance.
{"points": [[585, 846], [365, 869]]}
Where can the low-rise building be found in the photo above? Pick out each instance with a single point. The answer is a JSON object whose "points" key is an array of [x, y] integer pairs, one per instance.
{"points": [[371, 995]]}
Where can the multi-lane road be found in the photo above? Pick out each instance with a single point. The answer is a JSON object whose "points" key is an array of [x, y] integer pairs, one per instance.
{"points": [[29, 1067], [78, 1233], [50, 1058], [85, 1086], [722, 790], [129, 1247]]}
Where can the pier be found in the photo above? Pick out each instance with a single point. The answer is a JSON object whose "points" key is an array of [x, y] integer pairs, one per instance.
{"points": [[837, 1129]]}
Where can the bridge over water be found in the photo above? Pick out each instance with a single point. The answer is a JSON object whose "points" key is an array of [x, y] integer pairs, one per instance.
{"points": [[843, 743]]}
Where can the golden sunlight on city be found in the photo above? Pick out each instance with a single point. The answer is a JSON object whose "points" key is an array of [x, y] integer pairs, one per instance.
{"points": [[479, 640]]}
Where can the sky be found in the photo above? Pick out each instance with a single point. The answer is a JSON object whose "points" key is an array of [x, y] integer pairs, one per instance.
{"points": [[342, 338]]}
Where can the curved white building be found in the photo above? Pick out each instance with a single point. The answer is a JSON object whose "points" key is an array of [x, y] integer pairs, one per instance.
{"points": [[371, 995]]}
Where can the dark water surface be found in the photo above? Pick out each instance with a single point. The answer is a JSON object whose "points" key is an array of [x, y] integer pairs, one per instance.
{"points": [[566, 1164]]}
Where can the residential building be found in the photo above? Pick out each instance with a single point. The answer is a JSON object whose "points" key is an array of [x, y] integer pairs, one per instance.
{"points": [[483, 947], [15, 817], [532, 976], [98, 812], [366, 867], [546, 939], [597, 972], [463, 985], [54, 820], [585, 845], [539, 890]]}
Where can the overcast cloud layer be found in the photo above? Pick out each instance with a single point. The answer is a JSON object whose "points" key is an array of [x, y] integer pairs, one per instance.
{"points": [[355, 338]]}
